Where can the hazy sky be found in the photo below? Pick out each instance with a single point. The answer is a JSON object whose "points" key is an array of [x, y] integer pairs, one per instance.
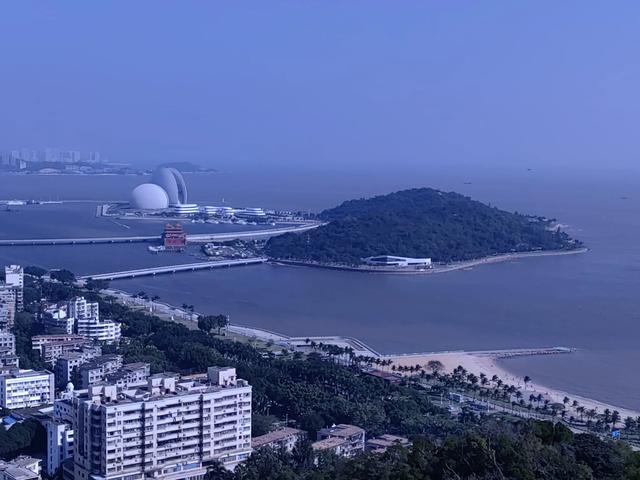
{"points": [[326, 84]]}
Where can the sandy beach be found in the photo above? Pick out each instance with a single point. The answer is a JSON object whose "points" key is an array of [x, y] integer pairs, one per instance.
{"points": [[490, 364]]}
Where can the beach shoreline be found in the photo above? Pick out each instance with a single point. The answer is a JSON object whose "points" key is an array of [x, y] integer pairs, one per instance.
{"points": [[444, 268], [495, 364], [490, 363]]}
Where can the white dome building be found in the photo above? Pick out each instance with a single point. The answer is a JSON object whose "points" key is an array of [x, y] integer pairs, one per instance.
{"points": [[149, 196]]}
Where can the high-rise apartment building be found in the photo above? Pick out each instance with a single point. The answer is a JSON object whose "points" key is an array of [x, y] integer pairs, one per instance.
{"points": [[171, 429]]}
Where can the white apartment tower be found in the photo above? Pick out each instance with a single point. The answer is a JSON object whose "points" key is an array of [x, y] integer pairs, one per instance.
{"points": [[173, 429], [88, 323], [14, 278]]}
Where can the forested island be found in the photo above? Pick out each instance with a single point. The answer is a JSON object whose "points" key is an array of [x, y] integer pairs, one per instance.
{"points": [[423, 222]]}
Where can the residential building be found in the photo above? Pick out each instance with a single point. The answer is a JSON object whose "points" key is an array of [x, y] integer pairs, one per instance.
{"points": [[52, 347], [14, 278], [7, 343], [39, 341], [79, 308], [20, 468], [57, 319], [104, 331], [383, 442], [59, 444], [344, 440], [9, 362], [97, 369], [68, 364], [7, 306], [26, 388], [130, 375], [171, 429], [285, 438], [88, 323]]}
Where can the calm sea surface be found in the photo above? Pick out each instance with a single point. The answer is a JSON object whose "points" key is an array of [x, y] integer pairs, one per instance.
{"points": [[589, 301]]}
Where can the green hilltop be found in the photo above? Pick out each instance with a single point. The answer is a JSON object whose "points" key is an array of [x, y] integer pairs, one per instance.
{"points": [[422, 222]]}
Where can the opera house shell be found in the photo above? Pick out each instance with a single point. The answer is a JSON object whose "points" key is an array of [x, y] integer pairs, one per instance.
{"points": [[167, 188]]}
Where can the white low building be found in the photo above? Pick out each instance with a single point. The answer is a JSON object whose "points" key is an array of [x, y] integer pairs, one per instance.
{"points": [[251, 212], [185, 208], [21, 468], [394, 261], [105, 331], [26, 388]]}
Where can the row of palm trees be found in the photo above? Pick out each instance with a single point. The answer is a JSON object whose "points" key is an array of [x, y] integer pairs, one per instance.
{"points": [[487, 389]]}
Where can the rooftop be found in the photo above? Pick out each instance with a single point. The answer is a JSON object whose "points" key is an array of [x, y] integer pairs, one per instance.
{"points": [[328, 443], [25, 373], [275, 436], [342, 430]]}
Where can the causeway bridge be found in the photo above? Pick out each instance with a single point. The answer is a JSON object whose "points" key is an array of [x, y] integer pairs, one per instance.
{"points": [[185, 267], [193, 238]]}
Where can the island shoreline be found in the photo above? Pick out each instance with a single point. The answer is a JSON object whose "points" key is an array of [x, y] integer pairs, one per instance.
{"points": [[444, 268]]}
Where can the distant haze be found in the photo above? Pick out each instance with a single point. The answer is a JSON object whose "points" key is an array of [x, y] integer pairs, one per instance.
{"points": [[325, 85]]}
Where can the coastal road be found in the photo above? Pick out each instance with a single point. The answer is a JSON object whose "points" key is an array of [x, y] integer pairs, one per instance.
{"points": [[194, 238]]}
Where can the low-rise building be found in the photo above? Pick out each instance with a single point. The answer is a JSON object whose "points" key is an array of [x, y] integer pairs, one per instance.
{"points": [[394, 261], [52, 352], [7, 343], [285, 438], [38, 341], [344, 440], [20, 468], [26, 388], [68, 364], [96, 370], [8, 362], [383, 442], [129, 375], [57, 319]]}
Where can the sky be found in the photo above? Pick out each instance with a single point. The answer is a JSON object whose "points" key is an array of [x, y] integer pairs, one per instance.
{"points": [[343, 85]]}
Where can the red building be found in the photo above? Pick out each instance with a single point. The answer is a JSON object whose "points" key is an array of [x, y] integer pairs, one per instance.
{"points": [[173, 237]]}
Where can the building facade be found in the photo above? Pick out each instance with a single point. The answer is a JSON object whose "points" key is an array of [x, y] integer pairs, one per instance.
{"points": [[26, 388], [14, 278], [173, 429], [344, 440]]}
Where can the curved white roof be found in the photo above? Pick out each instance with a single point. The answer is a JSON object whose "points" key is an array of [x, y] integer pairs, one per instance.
{"points": [[149, 196], [172, 182]]}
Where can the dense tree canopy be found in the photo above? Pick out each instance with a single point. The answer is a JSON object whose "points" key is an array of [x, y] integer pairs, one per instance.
{"points": [[417, 223], [488, 450]]}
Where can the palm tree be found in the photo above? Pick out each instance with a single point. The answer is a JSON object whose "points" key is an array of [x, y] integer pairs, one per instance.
{"points": [[526, 379]]}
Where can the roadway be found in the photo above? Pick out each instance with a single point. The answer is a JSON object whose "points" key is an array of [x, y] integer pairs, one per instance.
{"points": [[185, 267], [194, 238]]}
